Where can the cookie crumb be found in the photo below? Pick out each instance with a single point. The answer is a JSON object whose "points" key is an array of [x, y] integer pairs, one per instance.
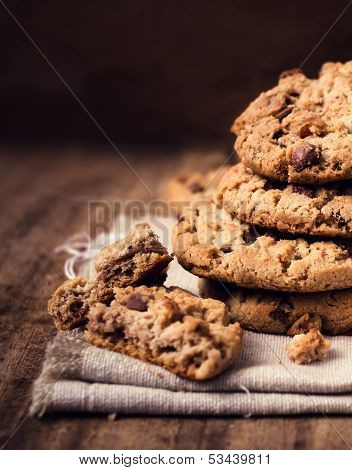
{"points": [[306, 348]]}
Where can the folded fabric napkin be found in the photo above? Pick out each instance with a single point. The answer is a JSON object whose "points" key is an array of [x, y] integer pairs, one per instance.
{"points": [[77, 376]]}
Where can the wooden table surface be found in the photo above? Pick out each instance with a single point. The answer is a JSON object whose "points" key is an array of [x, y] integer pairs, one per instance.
{"points": [[44, 199]]}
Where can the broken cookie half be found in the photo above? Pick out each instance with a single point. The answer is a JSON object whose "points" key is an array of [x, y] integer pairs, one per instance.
{"points": [[133, 259], [140, 257], [69, 304], [170, 327]]}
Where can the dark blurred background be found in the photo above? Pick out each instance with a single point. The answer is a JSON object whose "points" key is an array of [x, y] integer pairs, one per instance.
{"points": [[153, 72]]}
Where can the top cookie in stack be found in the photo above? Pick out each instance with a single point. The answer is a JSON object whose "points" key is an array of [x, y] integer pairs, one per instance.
{"points": [[282, 219], [301, 130]]}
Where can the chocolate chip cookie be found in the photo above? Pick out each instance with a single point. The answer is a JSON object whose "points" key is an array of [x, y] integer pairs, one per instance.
{"points": [[211, 243], [300, 131], [69, 305], [172, 328], [192, 187], [320, 210], [133, 259], [282, 312], [140, 257]]}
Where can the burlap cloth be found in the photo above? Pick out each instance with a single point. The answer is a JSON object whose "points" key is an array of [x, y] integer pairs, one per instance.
{"points": [[79, 377]]}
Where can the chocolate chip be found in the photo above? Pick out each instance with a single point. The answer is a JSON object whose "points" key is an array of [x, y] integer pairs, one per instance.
{"points": [[181, 218], [135, 302], [309, 192], [305, 156], [305, 131], [226, 249], [196, 187], [288, 73], [283, 113], [277, 134]]}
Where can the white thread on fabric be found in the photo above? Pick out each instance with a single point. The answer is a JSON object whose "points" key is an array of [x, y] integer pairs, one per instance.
{"points": [[245, 389], [78, 247]]}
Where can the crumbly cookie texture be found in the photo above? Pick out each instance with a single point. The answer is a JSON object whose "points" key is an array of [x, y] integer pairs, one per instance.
{"points": [[306, 348], [69, 304], [172, 328], [321, 210], [282, 312], [133, 259], [138, 258], [210, 243], [300, 130], [192, 187]]}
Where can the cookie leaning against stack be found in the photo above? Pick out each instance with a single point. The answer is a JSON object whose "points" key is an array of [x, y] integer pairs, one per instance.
{"points": [[271, 224], [192, 187]]}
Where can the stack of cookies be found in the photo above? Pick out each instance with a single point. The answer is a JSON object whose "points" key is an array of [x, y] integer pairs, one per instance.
{"points": [[271, 241], [277, 233]]}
